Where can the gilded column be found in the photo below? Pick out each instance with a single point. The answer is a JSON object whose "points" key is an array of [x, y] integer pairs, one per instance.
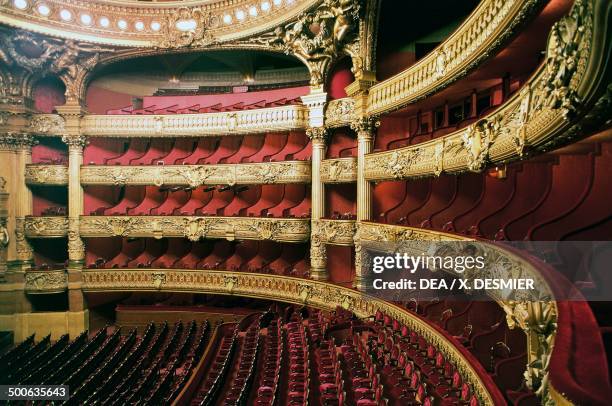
{"points": [[22, 200], [365, 127], [318, 256], [72, 115], [317, 133]]}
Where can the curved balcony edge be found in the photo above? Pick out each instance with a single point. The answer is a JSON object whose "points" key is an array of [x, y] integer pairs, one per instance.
{"points": [[567, 96], [42, 174], [290, 290], [480, 36], [546, 321], [334, 232]]}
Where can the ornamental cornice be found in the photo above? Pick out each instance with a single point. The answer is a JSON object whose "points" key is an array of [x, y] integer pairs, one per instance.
{"points": [[37, 174], [197, 175], [299, 291], [46, 227], [339, 170], [162, 25], [565, 97], [335, 232], [49, 281], [480, 36], [16, 141], [340, 112], [195, 228], [284, 118]]}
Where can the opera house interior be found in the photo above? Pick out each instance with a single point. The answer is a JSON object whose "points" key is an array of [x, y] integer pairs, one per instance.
{"points": [[195, 197]]}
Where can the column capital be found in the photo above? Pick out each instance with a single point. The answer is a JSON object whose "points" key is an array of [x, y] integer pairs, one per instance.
{"points": [[317, 134], [77, 142], [16, 141], [365, 126]]}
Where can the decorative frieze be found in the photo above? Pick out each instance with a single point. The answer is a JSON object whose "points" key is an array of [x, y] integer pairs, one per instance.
{"points": [[47, 124], [46, 227], [336, 232], [339, 170], [340, 112], [196, 175], [49, 281], [195, 228], [36, 174]]}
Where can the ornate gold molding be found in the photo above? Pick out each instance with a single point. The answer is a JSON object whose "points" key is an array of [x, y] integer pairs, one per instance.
{"points": [[46, 227], [481, 35], [319, 36], [558, 104], [47, 124], [282, 118], [195, 228], [196, 175], [339, 170], [37, 174], [281, 288], [51, 281], [535, 311], [340, 112], [154, 25], [16, 141], [336, 232]]}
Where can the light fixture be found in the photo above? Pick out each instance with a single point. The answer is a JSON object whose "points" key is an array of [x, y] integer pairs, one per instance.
{"points": [[253, 11], [240, 15], [155, 26], [20, 4], [104, 22], [265, 6], [65, 15], [43, 9], [277, 2], [186, 25], [122, 24], [174, 80], [139, 25], [227, 19], [85, 19]]}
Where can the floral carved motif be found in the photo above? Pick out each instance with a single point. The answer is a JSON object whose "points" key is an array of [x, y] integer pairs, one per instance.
{"points": [[46, 281], [194, 228], [41, 227], [46, 174], [339, 170]]}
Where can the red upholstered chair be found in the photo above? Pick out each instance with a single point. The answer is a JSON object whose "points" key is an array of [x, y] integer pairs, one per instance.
{"points": [[216, 259], [274, 143], [215, 206], [271, 195], [250, 146], [177, 249], [132, 197], [183, 147], [154, 198], [199, 198], [158, 149], [247, 197], [130, 249], [245, 251], [296, 142], [153, 250], [227, 147], [199, 250], [293, 196], [204, 148], [175, 200], [136, 149]]}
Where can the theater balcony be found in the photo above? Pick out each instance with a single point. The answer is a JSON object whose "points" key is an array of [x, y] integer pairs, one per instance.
{"points": [[194, 197]]}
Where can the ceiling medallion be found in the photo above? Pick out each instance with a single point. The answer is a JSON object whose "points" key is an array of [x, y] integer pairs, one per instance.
{"points": [[188, 27]]}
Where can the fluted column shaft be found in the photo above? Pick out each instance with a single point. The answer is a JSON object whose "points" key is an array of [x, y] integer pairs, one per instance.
{"points": [[365, 128], [72, 115], [318, 256]]}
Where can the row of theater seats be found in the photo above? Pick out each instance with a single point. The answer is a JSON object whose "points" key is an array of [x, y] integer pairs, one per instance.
{"points": [[109, 368], [197, 108], [248, 255], [566, 205], [286, 358], [231, 149], [291, 200], [480, 326]]}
